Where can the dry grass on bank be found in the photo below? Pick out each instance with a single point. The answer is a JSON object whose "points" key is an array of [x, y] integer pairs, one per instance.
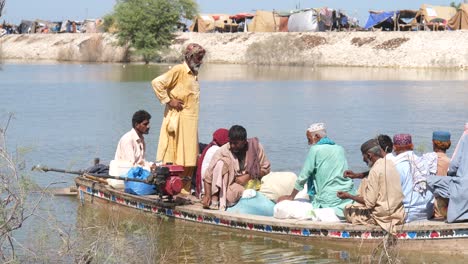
{"points": [[93, 49], [284, 50]]}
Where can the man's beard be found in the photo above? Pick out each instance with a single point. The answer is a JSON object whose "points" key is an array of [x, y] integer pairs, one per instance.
{"points": [[195, 67]]}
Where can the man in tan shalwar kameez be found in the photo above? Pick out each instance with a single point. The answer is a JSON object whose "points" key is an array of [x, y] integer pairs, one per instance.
{"points": [[232, 167], [380, 199], [179, 90]]}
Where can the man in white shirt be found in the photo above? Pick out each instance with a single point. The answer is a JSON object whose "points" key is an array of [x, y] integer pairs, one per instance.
{"points": [[131, 147]]}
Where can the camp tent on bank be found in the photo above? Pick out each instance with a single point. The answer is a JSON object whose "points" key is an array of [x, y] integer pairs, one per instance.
{"points": [[460, 19], [241, 20], [303, 21], [433, 17], [211, 23], [319, 19], [265, 21], [391, 20]]}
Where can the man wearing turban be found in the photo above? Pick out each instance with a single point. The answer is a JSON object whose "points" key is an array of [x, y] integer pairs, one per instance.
{"points": [[323, 172], [380, 199], [179, 91]]}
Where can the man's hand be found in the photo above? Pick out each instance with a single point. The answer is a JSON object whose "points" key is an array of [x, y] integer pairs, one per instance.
{"points": [[284, 198], [343, 195], [176, 104], [242, 179], [349, 174], [206, 201]]}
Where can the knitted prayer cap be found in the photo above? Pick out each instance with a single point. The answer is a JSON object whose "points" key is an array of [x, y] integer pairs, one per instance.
{"points": [[402, 140], [316, 127]]}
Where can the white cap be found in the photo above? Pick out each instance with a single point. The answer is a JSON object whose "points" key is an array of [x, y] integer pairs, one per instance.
{"points": [[316, 127]]}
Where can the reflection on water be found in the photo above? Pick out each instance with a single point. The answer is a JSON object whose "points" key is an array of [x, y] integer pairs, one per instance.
{"points": [[70, 113], [139, 237]]}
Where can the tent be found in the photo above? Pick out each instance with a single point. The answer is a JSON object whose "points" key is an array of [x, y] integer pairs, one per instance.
{"points": [[283, 20], [303, 21], [91, 26], [380, 19], [460, 19], [203, 23], [434, 17], [241, 19], [27, 27], [212, 23], [391, 20], [265, 21]]}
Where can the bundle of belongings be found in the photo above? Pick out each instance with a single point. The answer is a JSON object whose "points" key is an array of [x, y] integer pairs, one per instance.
{"points": [[264, 201]]}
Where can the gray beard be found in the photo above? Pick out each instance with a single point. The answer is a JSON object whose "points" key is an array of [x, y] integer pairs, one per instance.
{"points": [[195, 68]]}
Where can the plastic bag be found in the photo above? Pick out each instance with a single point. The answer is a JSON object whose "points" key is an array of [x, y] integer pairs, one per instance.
{"points": [[139, 188], [254, 184], [258, 204], [294, 210]]}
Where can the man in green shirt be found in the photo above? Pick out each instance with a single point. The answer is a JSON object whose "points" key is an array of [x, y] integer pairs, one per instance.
{"points": [[323, 172]]}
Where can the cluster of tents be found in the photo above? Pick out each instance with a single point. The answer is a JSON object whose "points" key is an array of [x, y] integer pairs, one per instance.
{"points": [[304, 20], [66, 26], [428, 17]]}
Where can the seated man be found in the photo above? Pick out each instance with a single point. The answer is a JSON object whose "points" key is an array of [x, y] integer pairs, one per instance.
{"points": [[131, 147], [220, 137], [438, 165], [413, 171], [386, 144], [455, 186], [231, 168], [323, 172], [380, 199]]}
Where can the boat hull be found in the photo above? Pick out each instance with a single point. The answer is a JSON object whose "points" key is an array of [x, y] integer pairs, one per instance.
{"points": [[423, 235]]}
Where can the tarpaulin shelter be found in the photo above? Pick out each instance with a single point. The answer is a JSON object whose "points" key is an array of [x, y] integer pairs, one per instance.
{"points": [[211, 23], [434, 17], [380, 19], [283, 18], [303, 21], [26, 27], [241, 20], [390, 20], [265, 21], [460, 19], [91, 26], [203, 23]]}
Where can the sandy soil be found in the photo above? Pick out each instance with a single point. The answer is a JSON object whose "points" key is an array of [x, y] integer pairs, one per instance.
{"points": [[444, 49]]}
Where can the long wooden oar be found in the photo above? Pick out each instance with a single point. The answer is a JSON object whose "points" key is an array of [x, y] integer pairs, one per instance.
{"points": [[80, 172]]}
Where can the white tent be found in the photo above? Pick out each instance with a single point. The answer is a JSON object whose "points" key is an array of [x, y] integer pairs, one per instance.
{"points": [[304, 21]]}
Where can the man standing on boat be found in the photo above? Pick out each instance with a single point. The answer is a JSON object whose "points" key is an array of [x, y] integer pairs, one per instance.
{"points": [[232, 167], [323, 172], [179, 90], [380, 199], [131, 148]]}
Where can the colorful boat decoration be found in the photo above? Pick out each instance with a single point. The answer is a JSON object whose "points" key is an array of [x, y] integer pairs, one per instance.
{"points": [[439, 234]]}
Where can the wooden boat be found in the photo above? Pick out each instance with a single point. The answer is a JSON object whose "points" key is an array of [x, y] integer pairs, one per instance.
{"points": [[436, 236]]}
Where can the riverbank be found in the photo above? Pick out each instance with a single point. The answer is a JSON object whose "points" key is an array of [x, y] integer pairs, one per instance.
{"points": [[444, 49]]}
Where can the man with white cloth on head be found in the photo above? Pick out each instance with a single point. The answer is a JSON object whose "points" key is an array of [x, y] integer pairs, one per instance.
{"points": [[323, 172]]}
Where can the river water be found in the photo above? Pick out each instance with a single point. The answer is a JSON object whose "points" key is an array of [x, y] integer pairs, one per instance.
{"points": [[67, 114]]}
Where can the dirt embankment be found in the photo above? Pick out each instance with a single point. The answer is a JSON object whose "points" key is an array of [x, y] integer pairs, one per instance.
{"points": [[447, 49]]}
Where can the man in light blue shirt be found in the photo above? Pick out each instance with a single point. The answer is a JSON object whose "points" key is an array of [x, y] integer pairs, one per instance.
{"points": [[418, 201]]}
